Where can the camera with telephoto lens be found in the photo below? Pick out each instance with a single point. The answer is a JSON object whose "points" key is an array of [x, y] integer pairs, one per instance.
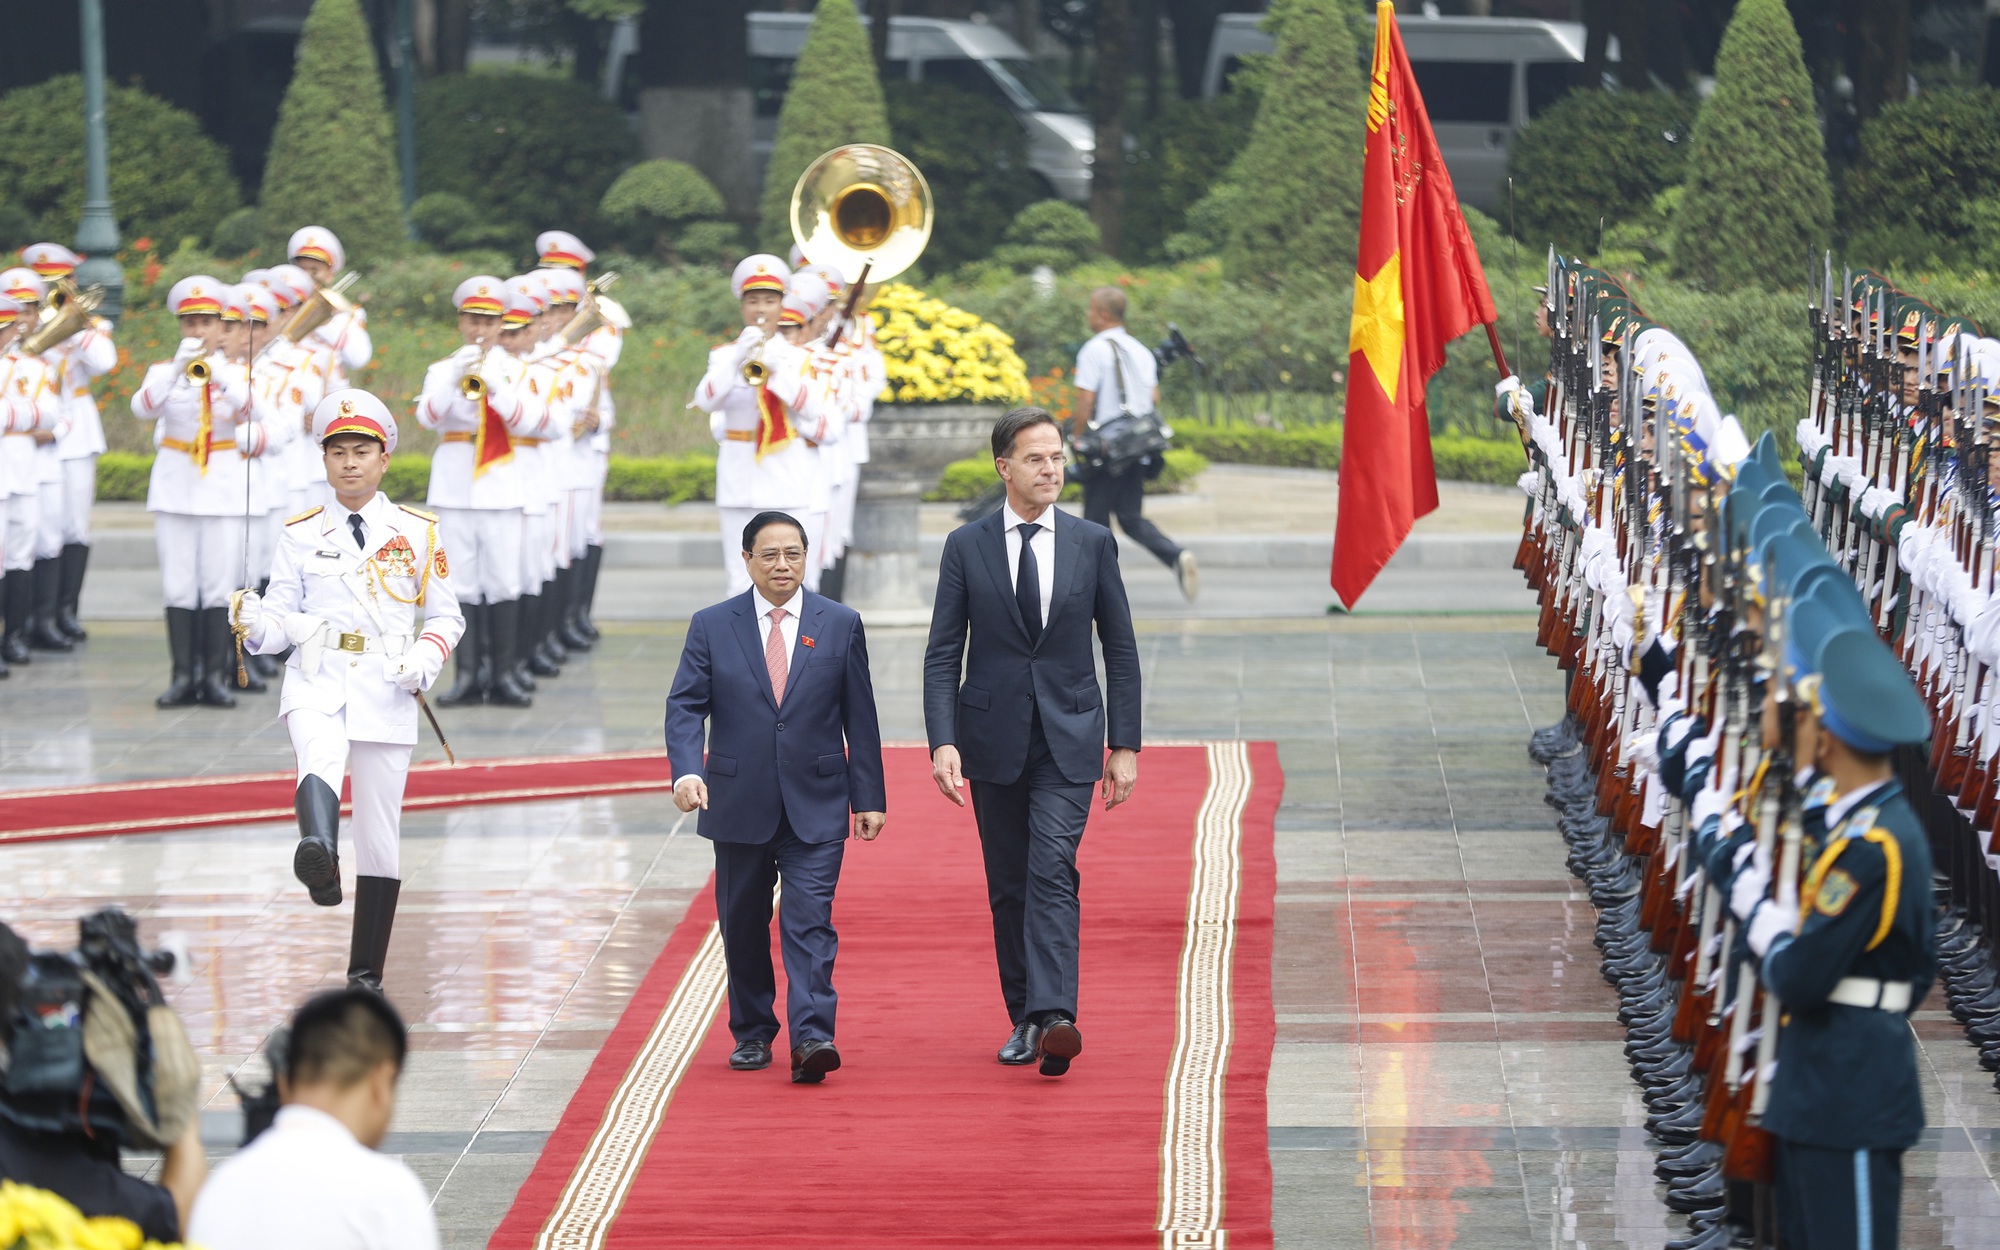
{"points": [[88, 1046]]}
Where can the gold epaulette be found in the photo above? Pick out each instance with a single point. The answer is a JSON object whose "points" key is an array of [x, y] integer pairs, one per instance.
{"points": [[307, 515], [418, 512]]}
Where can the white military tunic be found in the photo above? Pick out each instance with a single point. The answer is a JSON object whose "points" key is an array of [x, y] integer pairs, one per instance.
{"points": [[77, 361]]}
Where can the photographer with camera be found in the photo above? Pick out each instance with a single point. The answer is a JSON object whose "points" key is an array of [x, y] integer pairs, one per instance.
{"points": [[337, 1080], [74, 1089], [1116, 434]]}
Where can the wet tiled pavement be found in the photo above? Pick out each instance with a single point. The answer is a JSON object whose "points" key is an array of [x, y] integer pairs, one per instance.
{"points": [[1448, 1069]]}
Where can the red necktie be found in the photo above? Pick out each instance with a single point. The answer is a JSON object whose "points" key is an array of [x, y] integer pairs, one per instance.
{"points": [[774, 655]]}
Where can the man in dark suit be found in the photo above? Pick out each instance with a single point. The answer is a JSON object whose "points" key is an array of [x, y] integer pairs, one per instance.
{"points": [[781, 676], [1028, 726]]}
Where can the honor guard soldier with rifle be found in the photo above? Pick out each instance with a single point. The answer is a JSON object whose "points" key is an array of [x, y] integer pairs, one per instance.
{"points": [[80, 355], [470, 397], [203, 426], [362, 596]]}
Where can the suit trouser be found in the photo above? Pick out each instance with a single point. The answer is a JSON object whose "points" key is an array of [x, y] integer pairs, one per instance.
{"points": [[79, 492], [379, 769], [1123, 495], [745, 874], [734, 519], [201, 558], [1838, 1199], [1030, 830], [484, 546]]}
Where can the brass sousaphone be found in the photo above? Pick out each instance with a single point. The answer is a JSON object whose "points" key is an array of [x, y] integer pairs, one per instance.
{"points": [[866, 211]]}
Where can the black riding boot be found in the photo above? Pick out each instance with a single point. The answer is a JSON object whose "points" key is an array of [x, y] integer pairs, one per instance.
{"points": [[473, 648], [503, 639], [374, 917], [44, 634], [180, 643], [548, 640], [75, 558], [593, 559], [534, 626], [218, 652], [834, 580], [316, 862], [568, 632], [18, 588]]}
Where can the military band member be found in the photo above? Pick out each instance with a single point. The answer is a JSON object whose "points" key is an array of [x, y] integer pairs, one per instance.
{"points": [[29, 408], [78, 359], [559, 250], [297, 373], [520, 335], [477, 490], [757, 392], [362, 596], [316, 251], [576, 379], [41, 632], [203, 423]]}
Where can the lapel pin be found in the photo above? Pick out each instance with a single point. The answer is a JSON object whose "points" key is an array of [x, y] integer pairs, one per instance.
{"points": [[807, 641]]}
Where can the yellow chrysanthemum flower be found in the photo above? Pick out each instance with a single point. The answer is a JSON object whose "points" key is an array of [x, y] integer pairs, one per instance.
{"points": [[935, 353]]}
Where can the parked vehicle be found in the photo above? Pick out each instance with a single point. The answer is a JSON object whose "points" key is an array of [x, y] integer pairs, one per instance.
{"points": [[972, 56], [1483, 79]]}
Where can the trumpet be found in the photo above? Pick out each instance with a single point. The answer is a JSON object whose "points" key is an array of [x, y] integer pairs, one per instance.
{"points": [[472, 386], [198, 371], [755, 371]]}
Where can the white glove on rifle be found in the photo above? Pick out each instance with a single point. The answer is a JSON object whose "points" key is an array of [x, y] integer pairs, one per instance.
{"points": [[1752, 884]]}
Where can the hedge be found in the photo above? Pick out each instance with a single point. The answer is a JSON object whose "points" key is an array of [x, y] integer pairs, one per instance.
{"points": [[968, 479], [666, 479], [1458, 459]]}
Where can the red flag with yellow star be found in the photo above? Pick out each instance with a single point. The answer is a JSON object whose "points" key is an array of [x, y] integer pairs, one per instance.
{"points": [[1418, 285]]}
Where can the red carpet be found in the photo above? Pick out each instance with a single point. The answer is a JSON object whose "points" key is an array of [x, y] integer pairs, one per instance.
{"points": [[1156, 1137], [190, 802]]}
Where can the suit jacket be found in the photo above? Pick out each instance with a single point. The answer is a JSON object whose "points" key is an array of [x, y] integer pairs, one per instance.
{"points": [[814, 759], [989, 717]]}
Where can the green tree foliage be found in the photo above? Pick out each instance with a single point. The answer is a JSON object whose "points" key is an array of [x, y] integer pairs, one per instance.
{"points": [[1302, 166], [169, 180], [1055, 233], [452, 223], [1926, 183], [332, 160], [1757, 201], [1596, 156], [1180, 156], [532, 153], [834, 98], [974, 155], [653, 203]]}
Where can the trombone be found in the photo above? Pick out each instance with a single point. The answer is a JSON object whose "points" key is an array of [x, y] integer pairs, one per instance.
{"points": [[66, 313], [589, 313], [321, 307]]}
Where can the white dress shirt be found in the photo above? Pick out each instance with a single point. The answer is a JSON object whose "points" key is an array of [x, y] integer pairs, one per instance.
{"points": [[789, 631], [307, 1184], [1044, 544]]}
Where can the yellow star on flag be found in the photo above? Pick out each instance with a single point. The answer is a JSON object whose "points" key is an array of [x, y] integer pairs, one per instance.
{"points": [[1377, 328]]}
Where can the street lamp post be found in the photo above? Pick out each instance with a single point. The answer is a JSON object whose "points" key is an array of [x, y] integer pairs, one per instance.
{"points": [[97, 234]]}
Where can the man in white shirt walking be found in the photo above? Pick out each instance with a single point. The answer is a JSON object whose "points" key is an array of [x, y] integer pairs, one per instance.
{"points": [[1116, 374], [314, 1181]]}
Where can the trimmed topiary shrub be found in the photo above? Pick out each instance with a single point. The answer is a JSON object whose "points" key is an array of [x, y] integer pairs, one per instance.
{"points": [[239, 234], [1596, 156], [653, 203], [1928, 171], [532, 153], [452, 223], [834, 98], [332, 160], [1757, 202], [1302, 165], [1181, 155], [1055, 233], [169, 181], [974, 154]]}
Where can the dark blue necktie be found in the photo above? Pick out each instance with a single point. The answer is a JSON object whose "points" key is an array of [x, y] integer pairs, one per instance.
{"points": [[1028, 585], [354, 523]]}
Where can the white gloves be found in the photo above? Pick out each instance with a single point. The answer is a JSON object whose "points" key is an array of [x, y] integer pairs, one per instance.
{"points": [[418, 668], [1771, 921], [249, 606], [469, 356], [1752, 884], [190, 349]]}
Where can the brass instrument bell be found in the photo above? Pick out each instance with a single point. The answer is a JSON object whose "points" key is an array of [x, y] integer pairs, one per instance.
{"points": [[589, 315], [862, 207], [323, 306], [65, 313], [198, 371]]}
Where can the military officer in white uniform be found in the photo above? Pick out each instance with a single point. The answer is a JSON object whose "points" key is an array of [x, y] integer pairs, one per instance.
{"points": [[315, 250], [477, 491], [27, 407], [78, 360], [40, 632], [757, 392], [204, 424], [362, 594]]}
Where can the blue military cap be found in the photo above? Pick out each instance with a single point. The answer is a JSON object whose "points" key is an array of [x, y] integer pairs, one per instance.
{"points": [[1865, 696], [1787, 554], [1780, 491], [1751, 478], [1808, 624], [1765, 453], [1773, 519]]}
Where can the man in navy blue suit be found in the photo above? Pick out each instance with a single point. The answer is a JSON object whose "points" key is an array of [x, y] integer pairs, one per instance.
{"points": [[781, 676], [1028, 725]]}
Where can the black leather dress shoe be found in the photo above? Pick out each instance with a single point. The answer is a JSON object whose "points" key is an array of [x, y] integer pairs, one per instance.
{"points": [[1023, 1046], [812, 1061], [750, 1056], [1060, 1043]]}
